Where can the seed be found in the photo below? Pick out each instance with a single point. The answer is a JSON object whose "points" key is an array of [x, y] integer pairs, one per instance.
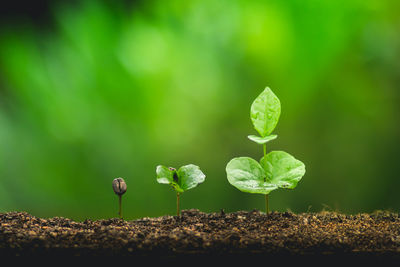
{"points": [[119, 186]]}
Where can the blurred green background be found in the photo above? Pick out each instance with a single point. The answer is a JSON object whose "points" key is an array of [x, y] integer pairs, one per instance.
{"points": [[108, 89]]}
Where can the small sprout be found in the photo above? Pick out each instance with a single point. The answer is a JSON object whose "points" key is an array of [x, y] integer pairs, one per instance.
{"points": [[277, 169], [119, 187], [187, 177]]}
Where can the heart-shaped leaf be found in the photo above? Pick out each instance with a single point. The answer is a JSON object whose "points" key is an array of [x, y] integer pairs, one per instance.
{"points": [[262, 140], [265, 112], [282, 169], [247, 175], [187, 177]]}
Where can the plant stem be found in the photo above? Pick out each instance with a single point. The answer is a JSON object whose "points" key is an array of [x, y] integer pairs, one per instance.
{"points": [[177, 203], [120, 206], [266, 196]]}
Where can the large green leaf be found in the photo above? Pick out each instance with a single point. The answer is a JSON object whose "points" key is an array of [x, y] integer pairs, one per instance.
{"points": [[247, 175], [282, 169], [262, 140], [265, 112], [190, 176], [187, 177]]}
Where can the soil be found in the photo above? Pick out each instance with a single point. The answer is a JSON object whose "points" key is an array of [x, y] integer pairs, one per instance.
{"points": [[203, 235]]}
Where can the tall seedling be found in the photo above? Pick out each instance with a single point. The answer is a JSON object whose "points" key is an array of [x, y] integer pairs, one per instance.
{"points": [[277, 169]]}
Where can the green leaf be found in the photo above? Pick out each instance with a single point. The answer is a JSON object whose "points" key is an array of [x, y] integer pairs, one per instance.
{"points": [[169, 176], [187, 177], [262, 140], [282, 169], [164, 175], [265, 112], [190, 176], [247, 175]]}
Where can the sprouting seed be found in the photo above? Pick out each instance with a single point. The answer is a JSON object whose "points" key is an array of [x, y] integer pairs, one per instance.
{"points": [[185, 178], [119, 187]]}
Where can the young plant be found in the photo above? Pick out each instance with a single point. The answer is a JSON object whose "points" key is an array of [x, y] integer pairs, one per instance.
{"points": [[119, 187], [187, 177], [277, 169]]}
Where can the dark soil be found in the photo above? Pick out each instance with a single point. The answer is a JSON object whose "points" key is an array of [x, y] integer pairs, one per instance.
{"points": [[202, 235]]}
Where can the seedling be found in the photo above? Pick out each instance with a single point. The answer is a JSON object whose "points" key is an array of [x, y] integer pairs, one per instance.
{"points": [[187, 177], [119, 187], [277, 169]]}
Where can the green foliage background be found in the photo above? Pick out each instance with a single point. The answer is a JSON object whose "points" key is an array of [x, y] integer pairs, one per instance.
{"points": [[113, 90]]}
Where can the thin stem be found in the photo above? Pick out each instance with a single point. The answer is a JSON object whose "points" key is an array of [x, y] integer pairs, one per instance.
{"points": [[120, 206], [266, 196], [177, 203]]}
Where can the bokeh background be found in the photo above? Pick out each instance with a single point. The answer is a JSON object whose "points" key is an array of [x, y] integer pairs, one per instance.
{"points": [[94, 90]]}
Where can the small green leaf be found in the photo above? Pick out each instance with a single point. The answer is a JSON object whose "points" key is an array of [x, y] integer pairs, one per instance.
{"points": [[190, 176], [169, 176], [185, 178], [164, 175], [262, 140], [282, 169], [247, 175], [265, 112]]}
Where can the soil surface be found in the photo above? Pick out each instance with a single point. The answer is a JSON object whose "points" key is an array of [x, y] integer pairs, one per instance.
{"points": [[202, 235]]}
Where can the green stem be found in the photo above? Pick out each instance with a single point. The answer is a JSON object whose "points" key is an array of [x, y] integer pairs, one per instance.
{"points": [[266, 196], [120, 206], [177, 203]]}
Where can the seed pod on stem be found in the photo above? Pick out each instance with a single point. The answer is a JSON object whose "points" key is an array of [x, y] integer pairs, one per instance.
{"points": [[119, 187]]}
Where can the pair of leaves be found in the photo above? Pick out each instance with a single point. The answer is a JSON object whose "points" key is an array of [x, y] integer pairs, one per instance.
{"points": [[277, 169], [185, 178], [264, 114]]}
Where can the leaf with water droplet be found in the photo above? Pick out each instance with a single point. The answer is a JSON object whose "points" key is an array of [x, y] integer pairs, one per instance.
{"points": [[247, 175], [282, 169], [277, 169], [265, 112], [190, 176]]}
